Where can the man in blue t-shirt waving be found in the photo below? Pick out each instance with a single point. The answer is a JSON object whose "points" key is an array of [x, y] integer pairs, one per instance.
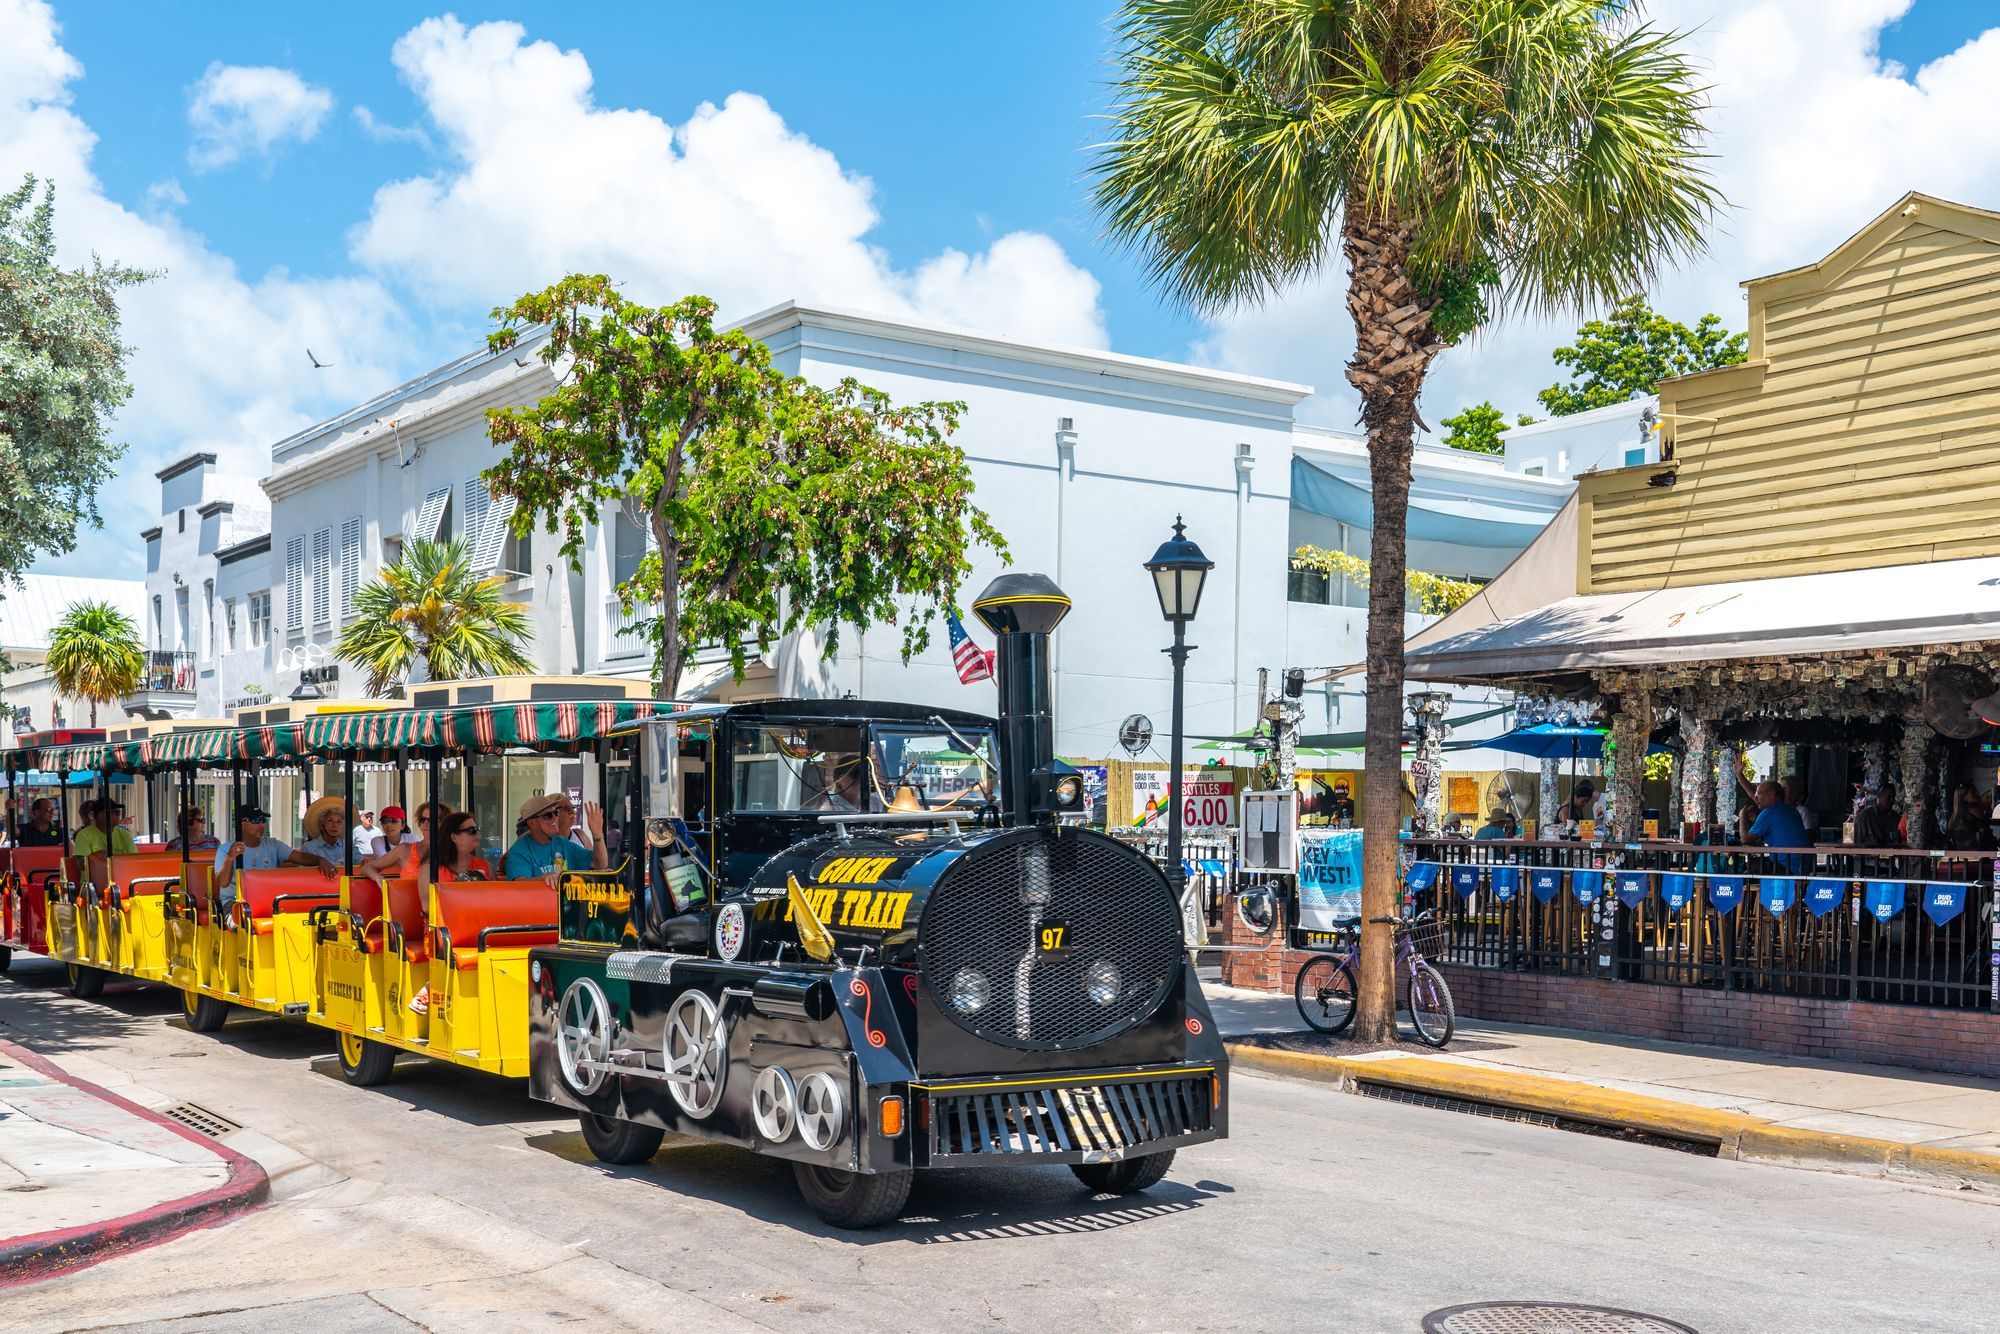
{"points": [[539, 853]]}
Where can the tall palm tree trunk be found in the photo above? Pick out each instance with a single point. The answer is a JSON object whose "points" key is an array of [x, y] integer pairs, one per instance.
{"points": [[1394, 344]]}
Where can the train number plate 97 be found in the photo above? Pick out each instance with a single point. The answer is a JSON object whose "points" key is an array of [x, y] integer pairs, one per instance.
{"points": [[1053, 942]]}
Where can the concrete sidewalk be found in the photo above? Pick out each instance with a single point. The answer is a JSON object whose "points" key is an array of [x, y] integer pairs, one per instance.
{"points": [[1879, 1119], [87, 1174]]}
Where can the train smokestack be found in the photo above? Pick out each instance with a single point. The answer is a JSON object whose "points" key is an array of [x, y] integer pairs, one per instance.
{"points": [[1022, 610]]}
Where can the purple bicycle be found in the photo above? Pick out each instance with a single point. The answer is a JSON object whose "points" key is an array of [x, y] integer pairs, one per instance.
{"points": [[1324, 988]]}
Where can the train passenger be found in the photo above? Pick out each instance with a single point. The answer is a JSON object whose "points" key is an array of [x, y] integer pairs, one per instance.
{"points": [[386, 849], [328, 846], [460, 859], [104, 836], [540, 853], [40, 831], [253, 850], [194, 835]]}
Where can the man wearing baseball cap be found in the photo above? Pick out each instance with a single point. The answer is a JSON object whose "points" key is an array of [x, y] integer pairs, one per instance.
{"points": [[539, 852], [253, 851]]}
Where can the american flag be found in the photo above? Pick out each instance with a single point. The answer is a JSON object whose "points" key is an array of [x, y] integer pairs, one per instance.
{"points": [[973, 662]]}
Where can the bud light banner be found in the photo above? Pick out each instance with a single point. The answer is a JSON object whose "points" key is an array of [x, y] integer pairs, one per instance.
{"points": [[1944, 901], [1506, 881], [1465, 881], [1823, 896], [1632, 887], [1778, 894], [1885, 898], [1586, 885], [1677, 889], [1330, 877], [1422, 878], [1725, 892], [1547, 882]]}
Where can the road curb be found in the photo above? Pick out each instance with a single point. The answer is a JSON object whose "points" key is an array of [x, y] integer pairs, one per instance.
{"points": [[1735, 1134], [46, 1255]]}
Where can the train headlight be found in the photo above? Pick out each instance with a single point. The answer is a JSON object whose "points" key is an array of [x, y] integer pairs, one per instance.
{"points": [[1069, 792], [969, 991], [1101, 982]]}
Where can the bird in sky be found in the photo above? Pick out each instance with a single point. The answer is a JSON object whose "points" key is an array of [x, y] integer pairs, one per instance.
{"points": [[318, 365]]}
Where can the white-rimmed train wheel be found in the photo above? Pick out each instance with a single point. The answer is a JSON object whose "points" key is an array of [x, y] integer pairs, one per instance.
{"points": [[774, 1103], [583, 1036], [696, 1049], [822, 1110]]}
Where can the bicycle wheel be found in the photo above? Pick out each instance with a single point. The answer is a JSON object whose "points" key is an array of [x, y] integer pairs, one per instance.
{"points": [[1430, 1005], [1324, 990]]}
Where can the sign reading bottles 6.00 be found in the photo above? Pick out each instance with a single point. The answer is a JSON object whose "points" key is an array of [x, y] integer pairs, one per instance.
{"points": [[1208, 799]]}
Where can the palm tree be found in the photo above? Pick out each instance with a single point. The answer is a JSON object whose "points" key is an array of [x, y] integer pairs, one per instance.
{"points": [[429, 605], [95, 655], [1467, 158]]}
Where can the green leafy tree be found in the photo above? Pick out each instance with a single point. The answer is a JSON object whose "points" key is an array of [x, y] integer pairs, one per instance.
{"points": [[95, 655], [772, 503], [1631, 352], [430, 607], [1477, 429], [62, 376], [1464, 158]]}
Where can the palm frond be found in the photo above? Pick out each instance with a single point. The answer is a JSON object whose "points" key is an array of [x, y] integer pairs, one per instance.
{"points": [[431, 606]]}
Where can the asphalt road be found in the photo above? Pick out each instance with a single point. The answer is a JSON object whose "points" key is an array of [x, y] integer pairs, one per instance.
{"points": [[448, 1199]]}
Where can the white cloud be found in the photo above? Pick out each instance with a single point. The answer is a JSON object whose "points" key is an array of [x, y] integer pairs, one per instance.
{"points": [[382, 132], [220, 360], [239, 111], [732, 202], [1813, 134]]}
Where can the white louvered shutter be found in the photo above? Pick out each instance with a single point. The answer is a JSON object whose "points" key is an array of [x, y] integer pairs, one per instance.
{"points": [[492, 539], [350, 566], [478, 501], [295, 584], [322, 576], [430, 514]]}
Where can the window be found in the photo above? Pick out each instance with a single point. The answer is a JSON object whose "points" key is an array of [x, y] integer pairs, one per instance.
{"points": [[322, 576], [793, 768], [431, 523], [159, 624], [392, 551], [184, 640], [295, 583], [493, 545], [1635, 456], [229, 624], [208, 614], [1307, 586], [628, 546], [260, 619], [478, 501], [350, 566]]}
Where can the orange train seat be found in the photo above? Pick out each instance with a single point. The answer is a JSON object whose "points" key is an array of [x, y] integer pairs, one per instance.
{"points": [[283, 889], [149, 845], [475, 913], [145, 866], [406, 909], [36, 868]]}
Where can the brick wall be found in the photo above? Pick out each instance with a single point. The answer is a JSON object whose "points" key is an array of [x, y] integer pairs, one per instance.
{"points": [[1958, 1041]]}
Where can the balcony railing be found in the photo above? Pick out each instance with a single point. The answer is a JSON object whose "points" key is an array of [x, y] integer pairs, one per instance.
{"points": [[626, 638], [167, 672]]}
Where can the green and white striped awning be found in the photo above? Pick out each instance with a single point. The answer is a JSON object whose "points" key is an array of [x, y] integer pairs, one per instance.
{"points": [[210, 745], [113, 757], [473, 727]]}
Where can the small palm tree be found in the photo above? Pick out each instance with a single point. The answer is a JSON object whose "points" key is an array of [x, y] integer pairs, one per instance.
{"points": [[95, 655], [1463, 157], [431, 606]]}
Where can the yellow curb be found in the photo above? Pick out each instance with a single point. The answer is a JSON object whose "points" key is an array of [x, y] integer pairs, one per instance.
{"points": [[1735, 1134]]}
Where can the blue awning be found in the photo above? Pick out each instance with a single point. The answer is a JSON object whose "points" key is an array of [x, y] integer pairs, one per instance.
{"points": [[1460, 520]]}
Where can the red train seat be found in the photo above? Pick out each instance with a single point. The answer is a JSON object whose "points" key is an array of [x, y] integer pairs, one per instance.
{"points": [[468, 907], [406, 909], [151, 866], [302, 888]]}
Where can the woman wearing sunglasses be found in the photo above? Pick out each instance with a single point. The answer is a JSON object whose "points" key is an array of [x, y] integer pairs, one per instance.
{"points": [[459, 857]]}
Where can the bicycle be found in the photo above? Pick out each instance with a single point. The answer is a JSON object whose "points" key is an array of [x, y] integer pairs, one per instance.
{"points": [[1325, 986]]}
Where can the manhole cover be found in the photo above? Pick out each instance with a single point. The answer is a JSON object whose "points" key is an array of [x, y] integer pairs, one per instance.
{"points": [[1546, 1318]]}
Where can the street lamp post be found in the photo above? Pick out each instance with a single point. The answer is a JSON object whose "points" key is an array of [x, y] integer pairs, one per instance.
{"points": [[1178, 568]]}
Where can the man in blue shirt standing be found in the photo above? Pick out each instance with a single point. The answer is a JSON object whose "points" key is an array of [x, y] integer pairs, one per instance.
{"points": [[539, 853]]}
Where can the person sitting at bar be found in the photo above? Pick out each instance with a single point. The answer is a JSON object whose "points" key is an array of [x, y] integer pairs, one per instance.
{"points": [[40, 831], [1971, 825], [1777, 824], [1879, 824], [1581, 806], [1499, 824], [1795, 797]]}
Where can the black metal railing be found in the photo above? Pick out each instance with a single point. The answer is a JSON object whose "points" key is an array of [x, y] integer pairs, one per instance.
{"points": [[1895, 927], [168, 670]]}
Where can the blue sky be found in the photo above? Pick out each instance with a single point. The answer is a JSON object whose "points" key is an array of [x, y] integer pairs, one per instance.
{"points": [[925, 158]]}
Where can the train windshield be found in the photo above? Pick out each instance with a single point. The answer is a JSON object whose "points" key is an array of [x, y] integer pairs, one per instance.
{"points": [[942, 767]]}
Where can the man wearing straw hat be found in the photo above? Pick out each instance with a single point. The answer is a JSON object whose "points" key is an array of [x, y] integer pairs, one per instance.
{"points": [[326, 843]]}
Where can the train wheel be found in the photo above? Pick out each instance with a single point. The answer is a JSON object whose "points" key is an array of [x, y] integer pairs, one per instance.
{"points": [[85, 983], [1126, 1175], [365, 1063], [853, 1199], [204, 1014], [616, 1141]]}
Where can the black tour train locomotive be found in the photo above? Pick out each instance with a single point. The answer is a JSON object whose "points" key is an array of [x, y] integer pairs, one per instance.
{"points": [[863, 938]]}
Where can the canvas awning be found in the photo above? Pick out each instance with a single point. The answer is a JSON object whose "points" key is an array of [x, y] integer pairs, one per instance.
{"points": [[1798, 616], [1457, 519], [482, 727]]}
